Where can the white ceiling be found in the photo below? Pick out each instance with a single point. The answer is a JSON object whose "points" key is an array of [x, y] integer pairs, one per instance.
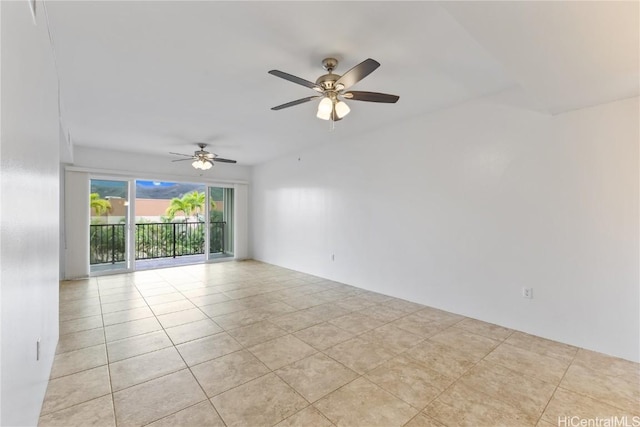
{"points": [[157, 76]]}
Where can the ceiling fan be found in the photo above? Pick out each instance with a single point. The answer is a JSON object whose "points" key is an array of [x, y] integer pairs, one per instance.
{"points": [[332, 87], [202, 159]]}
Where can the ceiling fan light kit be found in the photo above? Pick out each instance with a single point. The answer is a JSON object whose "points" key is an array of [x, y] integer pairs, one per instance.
{"points": [[202, 164], [332, 88], [324, 109]]}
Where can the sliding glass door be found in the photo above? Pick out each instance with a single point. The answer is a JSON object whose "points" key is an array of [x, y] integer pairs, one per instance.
{"points": [[109, 225], [166, 224], [220, 222], [170, 226]]}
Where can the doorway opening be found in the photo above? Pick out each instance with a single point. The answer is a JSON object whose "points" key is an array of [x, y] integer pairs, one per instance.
{"points": [[181, 223], [108, 229], [168, 224], [220, 222]]}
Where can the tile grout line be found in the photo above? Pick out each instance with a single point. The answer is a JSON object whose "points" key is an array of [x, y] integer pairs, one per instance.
{"points": [[280, 299], [181, 343], [115, 418], [269, 369], [509, 369], [185, 363], [360, 311], [613, 405], [556, 388], [113, 403], [456, 380], [363, 376]]}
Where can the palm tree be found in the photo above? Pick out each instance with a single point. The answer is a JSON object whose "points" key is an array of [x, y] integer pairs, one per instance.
{"points": [[179, 205], [195, 199], [99, 206]]}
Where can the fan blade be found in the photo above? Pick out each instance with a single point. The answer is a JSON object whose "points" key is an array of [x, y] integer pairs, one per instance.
{"points": [[357, 73], [181, 160], [180, 154], [294, 79], [221, 160], [371, 97], [296, 102]]}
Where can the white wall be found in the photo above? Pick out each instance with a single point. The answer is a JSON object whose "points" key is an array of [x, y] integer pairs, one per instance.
{"points": [[461, 209], [76, 221], [29, 180], [241, 221]]}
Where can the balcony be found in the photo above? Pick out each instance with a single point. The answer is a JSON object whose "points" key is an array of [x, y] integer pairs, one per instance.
{"points": [[155, 241]]}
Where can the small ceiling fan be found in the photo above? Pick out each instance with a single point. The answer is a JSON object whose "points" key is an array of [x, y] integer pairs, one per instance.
{"points": [[202, 159], [332, 89]]}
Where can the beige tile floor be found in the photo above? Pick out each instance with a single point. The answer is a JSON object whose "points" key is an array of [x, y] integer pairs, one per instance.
{"points": [[251, 344]]}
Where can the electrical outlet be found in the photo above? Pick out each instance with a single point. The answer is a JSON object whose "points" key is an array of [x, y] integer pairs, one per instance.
{"points": [[527, 293]]}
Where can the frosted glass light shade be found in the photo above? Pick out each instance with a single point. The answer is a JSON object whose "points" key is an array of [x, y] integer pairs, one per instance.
{"points": [[342, 109], [201, 164], [325, 105], [324, 109]]}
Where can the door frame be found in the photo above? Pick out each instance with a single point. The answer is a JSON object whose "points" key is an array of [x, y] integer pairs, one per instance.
{"points": [[129, 253]]}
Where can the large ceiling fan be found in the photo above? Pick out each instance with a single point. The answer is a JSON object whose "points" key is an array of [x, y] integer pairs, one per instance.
{"points": [[332, 87], [202, 159]]}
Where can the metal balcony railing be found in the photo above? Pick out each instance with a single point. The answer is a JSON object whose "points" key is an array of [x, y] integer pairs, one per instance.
{"points": [[106, 243], [154, 240]]}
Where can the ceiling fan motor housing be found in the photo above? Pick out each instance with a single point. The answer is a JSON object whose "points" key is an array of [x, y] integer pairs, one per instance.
{"points": [[328, 81], [329, 64]]}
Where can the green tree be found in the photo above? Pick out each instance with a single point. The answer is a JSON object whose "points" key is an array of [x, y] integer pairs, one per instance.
{"points": [[191, 202], [195, 199], [98, 205], [178, 205]]}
